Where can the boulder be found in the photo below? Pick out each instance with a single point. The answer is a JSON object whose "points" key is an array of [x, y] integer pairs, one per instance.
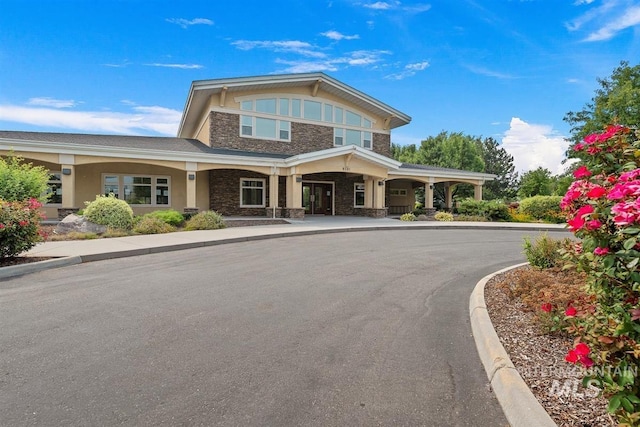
{"points": [[78, 224]]}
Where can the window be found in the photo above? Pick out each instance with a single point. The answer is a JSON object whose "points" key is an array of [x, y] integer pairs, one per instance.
{"points": [[55, 188], [353, 119], [246, 105], [358, 195], [284, 106], [267, 106], [295, 107], [285, 130], [366, 140], [260, 127], [252, 193], [339, 115], [138, 189], [328, 113], [312, 110], [398, 192], [246, 128], [338, 136]]}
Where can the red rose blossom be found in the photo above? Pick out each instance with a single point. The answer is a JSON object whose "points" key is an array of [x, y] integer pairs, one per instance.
{"points": [[582, 172], [546, 307], [570, 312]]}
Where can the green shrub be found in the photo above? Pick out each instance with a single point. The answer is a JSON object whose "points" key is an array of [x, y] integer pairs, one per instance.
{"points": [[443, 216], [544, 252], [408, 217], [19, 226], [418, 211], [21, 181], [206, 220], [543, 208], [152, 225], [516, 216], [490, 209], [169, 216], [109, 211]]}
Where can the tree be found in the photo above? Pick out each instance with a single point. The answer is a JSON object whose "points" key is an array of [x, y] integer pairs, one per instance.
{"points": [[446, 150], [616, 101], [500, 163], [21, 181], [536, 182]]}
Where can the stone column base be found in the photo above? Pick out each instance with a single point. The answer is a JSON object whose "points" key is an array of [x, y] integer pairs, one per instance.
{"points": [[63, 212], [191, 211], [271, 213], [294, 213], [430, 211], [374, 213]]}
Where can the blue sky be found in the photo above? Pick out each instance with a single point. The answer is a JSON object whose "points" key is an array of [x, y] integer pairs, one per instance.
{"points": [[509, 69]]}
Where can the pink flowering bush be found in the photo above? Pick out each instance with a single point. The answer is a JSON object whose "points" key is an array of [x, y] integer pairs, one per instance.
{"points": [[603, 209], [19, 227]]}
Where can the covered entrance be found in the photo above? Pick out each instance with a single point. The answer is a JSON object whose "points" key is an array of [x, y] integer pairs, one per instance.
{"points": [[317, 198]]}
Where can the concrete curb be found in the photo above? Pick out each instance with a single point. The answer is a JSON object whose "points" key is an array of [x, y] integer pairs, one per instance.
{"points": [[33, 267], [519, 405]]}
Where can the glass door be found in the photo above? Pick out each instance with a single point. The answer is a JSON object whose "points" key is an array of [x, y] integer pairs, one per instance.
{"points": [[317, 198]]}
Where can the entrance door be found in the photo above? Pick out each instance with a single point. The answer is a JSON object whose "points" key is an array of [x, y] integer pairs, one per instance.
{"points": [[317, 198]]}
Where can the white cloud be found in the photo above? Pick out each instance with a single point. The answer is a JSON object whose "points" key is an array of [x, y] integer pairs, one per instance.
{"points": [[185, 23], [382, 5], [489, 73], [288, 46], [335, 35], [409, 70], [52, 102], [357, 58], [143, 119], [630, 18], [181, 66], [534, 145]]}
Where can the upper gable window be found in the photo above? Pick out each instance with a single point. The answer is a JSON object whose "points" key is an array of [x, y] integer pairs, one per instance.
{"points": [[261, 118]]}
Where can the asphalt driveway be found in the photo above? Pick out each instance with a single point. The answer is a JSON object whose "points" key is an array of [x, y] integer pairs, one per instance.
{"points": [[360, 328]]}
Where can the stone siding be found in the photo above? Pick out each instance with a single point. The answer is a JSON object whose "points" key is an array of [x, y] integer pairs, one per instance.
{"points": [[305, 137], [224, 192], [344, 188]]}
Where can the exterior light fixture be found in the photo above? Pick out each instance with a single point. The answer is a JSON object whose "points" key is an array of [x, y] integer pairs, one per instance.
{"points": [[192, 176], [66, 171]]}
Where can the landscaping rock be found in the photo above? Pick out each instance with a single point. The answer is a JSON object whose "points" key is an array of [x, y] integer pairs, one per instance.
{"points": [[78, 224]]}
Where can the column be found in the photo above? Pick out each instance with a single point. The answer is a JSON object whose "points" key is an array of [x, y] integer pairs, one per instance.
{"points": [[369, 189], [448, 196], [68, 180], [378, 195], [191, 191], [273, 209], [428, 196], [294, 207], [477, 192]]}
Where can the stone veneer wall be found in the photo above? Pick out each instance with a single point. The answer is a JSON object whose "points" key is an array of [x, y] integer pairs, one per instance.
{"points": [[305, 138], [224, 192]]}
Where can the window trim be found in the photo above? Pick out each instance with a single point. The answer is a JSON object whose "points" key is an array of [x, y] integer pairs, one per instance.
{"points": [[263, 188], [398, 192], [154, 185]]}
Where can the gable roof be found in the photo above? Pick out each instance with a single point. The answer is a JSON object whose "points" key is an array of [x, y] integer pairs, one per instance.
{"points": [[201, 91]]}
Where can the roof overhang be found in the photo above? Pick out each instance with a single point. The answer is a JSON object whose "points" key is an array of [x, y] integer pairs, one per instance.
{"points": [[441, 173], [202, 90]]}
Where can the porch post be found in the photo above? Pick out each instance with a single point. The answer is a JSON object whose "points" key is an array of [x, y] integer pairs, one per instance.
{"points": [[448, 196], [191, 179], [294, 207], [477, 192], [68, 181], [428, 195], [272, 210], [369, 189], [378, 199]]}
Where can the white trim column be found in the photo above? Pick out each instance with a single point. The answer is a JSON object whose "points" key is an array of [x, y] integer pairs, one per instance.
{"points": [[428, 195], [191, 185], [477, 191], [273, 193], [68, 182], [378, 194], [448, 199], [369, 183], [294, 191]]}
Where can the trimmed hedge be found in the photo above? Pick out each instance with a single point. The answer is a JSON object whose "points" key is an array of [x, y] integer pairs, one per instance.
{"points": [[110, 211], [543, 208], [490, 209]]}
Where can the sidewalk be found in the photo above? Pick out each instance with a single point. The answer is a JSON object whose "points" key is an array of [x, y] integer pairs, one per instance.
{"points": [[77, 251]]}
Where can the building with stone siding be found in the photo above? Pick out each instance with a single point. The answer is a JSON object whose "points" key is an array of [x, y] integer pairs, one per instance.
{"points": [[279, 146]]}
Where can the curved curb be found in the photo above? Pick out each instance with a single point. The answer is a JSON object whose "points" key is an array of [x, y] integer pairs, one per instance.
{"points": [[519, 405], [33, 267]]}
